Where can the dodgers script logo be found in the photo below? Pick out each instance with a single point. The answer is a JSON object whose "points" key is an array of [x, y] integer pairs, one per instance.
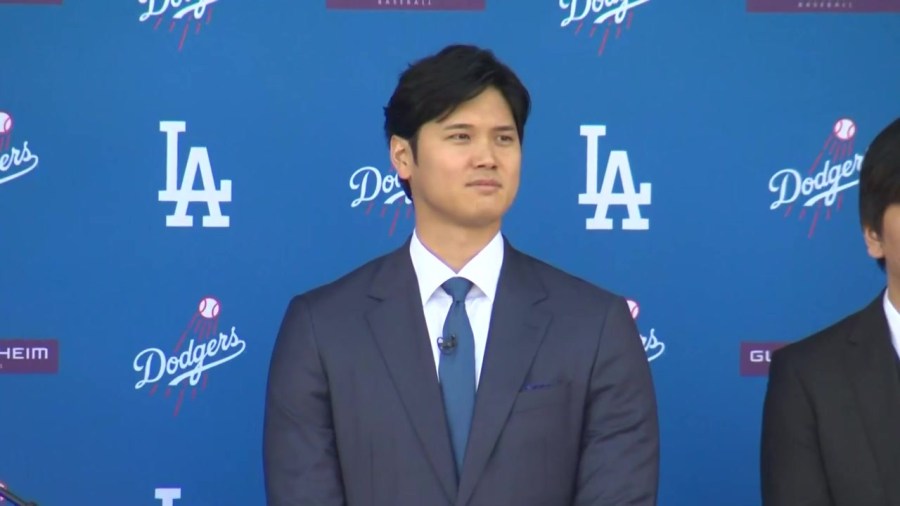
{"points": [[617, 167], [184, 14], [206, 348], [652, 346], [198, 159], [16, 160], [607, 13], [370, 187], [834, 170]]}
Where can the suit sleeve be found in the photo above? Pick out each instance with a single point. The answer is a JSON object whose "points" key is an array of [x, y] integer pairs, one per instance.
{"points": [[791, 471], [620, 443], [300, 456]]}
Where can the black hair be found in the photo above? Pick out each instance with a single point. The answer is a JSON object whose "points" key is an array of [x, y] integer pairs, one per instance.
{"points": [[879, 179], [431, 88]]}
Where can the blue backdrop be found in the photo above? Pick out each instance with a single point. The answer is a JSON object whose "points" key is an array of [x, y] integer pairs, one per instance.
{"points": [[706, 102]]}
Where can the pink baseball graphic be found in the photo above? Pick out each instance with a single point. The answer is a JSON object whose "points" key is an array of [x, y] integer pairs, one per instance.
{"points": [[209, 308], [844, 129], [837, 148], [6, 126], [634, 308], [203, 324]]}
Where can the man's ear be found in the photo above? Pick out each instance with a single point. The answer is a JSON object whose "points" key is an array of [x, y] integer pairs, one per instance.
{"points": [[401, 157], [873, 242]]}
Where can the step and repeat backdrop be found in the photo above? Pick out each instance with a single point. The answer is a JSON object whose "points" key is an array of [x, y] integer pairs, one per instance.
{"points": [[172, 172]]}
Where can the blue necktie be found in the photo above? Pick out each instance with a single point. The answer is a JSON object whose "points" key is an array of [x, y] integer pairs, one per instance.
{"points": [[457, 368]]}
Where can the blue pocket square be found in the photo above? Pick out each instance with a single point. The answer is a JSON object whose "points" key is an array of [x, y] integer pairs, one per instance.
{"points": [[536, 386]]}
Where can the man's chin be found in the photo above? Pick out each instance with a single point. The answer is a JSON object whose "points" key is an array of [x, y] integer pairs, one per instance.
{"points": [[482, 221]]}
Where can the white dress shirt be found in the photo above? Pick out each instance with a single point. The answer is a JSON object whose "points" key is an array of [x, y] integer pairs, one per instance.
{"points": [[483, 271], [893, 319]]}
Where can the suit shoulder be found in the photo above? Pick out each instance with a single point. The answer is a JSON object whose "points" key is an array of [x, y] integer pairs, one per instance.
{"points": [[819, 347], [354, 282], [573, 287]]}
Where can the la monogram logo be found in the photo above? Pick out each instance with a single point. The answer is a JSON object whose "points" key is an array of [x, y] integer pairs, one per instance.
{"points": [[617, 166], [198, 159], [167, 495]]}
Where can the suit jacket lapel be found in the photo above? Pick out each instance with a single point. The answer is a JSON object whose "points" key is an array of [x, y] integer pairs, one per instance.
{"points": [[516, 331], [398, 325], [871, 364]]}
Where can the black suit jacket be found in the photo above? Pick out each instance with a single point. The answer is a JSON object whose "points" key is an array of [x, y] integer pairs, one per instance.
{"points": [[354, 412], [831, 420]]}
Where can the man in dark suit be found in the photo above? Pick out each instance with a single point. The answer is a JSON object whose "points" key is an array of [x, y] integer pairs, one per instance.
{"points": [[831, 420], [457, 370]]}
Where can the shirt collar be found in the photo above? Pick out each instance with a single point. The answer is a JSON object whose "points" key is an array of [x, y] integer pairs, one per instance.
{"points": [[893, 319], [483, 270]]}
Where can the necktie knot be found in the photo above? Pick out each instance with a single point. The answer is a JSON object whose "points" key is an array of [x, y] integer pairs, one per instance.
{"points": [[457, 288]]}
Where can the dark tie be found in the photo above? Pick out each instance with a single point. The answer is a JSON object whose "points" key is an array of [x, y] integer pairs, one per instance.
{"points": [[457, 368]]}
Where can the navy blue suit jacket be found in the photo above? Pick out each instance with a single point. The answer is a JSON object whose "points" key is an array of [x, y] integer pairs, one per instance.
{"points": [[565, 411]]}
